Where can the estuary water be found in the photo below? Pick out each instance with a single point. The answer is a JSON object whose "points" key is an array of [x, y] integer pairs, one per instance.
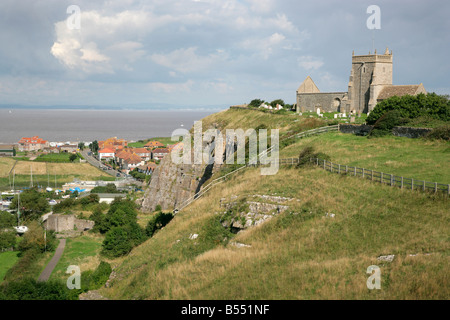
{"points": [[89, 125]]}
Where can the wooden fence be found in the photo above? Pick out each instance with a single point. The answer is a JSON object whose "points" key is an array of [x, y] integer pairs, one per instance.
{"points": [[384, 178]]}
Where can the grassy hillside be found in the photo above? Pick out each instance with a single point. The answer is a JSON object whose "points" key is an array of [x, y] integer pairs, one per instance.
{"points": [[303, 253], [297, 256], [414, 158]]}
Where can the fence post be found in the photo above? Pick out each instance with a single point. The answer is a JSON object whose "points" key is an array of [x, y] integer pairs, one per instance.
{"points": [[402, 183], [355, 171], [381, 178], [423, 185], [412, 184], [391, 180], [324, 165], [339, 169], [371, 174], [346, 169], [363, 172], [448, 189], [435, 187], [331, 166]]}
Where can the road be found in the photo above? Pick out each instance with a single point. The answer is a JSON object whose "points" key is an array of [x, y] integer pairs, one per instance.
{"points": [[96, 163]]}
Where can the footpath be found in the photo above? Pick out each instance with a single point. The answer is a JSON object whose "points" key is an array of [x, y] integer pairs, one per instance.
{"points": [[45, 275]]}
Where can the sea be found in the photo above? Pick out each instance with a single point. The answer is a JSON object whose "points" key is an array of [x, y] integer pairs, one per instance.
{"points": [[87, 125]]}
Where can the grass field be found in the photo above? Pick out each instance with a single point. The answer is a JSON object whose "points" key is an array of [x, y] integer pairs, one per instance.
{"points": [[142, 143], [81, 251], [56, 157], [44, 173], [413, 158], [7, 260]]}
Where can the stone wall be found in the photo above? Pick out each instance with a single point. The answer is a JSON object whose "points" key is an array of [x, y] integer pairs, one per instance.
{"points": [[60, 222], [363, 130], [327, 102], [410, 132], [356, 129]]}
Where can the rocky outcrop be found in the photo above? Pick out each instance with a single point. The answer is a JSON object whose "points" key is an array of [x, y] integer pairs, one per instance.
{"points": [[241, 214], [172, 184]]}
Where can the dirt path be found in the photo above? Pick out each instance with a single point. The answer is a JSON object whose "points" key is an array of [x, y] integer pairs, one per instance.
{"points": [[45, 275]]}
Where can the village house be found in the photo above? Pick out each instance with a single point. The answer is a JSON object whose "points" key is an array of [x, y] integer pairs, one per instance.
{"points": [[147, 168], [32, 144], [7, 150], [133, 161], [68, 148], [159, 153], [154, 144], [106, 153], [112, 143], [144, 153]]}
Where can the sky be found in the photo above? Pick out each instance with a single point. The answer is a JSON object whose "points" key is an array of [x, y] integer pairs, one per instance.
{"points": [[208, 53]]}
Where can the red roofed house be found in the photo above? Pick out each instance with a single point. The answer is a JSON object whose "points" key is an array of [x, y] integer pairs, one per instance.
{"points": [[106, 153], [159, 153], [133, 161], [32, 144], [154, 144], [144, 153]]}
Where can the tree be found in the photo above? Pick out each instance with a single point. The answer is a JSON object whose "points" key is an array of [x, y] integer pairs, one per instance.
{"points": [[81, 145], [35, 238], [116, 243], [32, 203], [94, 146], [73, 157], [277, 101], [255, 103], [7, 220]]}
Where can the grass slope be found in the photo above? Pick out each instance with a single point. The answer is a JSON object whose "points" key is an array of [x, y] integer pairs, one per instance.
{"points": [[412, 158], [302, 256], [302, 253]]}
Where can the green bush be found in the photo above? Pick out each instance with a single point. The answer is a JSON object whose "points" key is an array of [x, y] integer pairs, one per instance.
{"points": [[7, 220], [411, 107], [439, 133], [386, 123], [157, 222], [117, 243], [307, 153], [31, 289], [7, 239]]}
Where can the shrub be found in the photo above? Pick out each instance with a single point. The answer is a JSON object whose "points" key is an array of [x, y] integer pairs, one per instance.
{"points": [[31, 289], [34, 239], [7, 239], [386, 123], [157, 222], [307, 153], [99, 277], [439, 133], [411, 107], [116, 243], [7, 220]]}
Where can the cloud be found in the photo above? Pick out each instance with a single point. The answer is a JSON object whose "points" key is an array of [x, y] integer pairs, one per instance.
{"points": [[309, 62], [186, 60]]}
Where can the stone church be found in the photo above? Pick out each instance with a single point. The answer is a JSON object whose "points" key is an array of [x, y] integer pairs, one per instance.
{"points": [[370, 82]]}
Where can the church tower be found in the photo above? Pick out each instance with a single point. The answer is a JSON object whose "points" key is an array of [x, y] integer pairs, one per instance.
{"points": [[369, 74]]}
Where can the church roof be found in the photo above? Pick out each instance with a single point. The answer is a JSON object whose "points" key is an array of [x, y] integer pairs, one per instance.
{"points": [[402, 90], [308, 86]]}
